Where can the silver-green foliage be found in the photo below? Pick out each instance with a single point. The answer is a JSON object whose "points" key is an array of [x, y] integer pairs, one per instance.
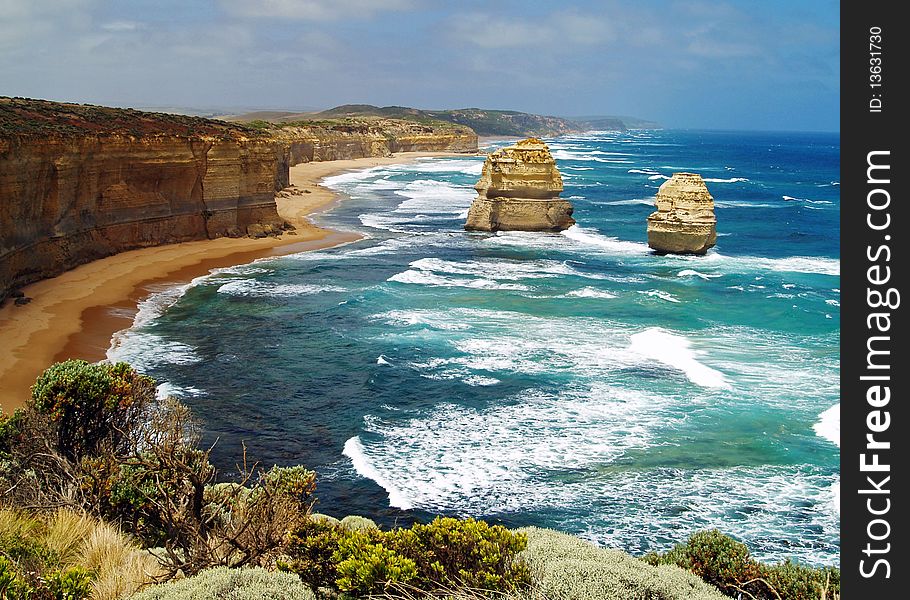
{"points": [[357, 523], [568, 568], [222, 583]]}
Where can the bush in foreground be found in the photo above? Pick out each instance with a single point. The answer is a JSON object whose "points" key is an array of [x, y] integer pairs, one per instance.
{"points": [[222, 583], [726, 563], [444, 554], [565, 567]]}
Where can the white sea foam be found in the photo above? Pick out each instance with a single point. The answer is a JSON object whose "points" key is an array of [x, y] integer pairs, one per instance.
{"points": [[643, 171], [660, 294], [167, 389], [746, 264], [355, 176], [730, 180], [630, 201], [428, 278], [381, 360], [353, 449], [590, 292], [694, 273], [828, 425], [658, 176], [675, 351], [502, 269], [832, 302], [591, 237], [258, 289]]}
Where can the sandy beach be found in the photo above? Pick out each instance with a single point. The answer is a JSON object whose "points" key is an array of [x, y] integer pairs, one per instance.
{"points": [[75, 314]]}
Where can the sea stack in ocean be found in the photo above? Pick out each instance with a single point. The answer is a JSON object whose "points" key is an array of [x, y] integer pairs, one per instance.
{"points": [[519, 191], [684, 222]]}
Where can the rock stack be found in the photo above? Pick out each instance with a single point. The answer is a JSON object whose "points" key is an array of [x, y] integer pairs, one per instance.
{"points": [[519, 191], [684, 222]]}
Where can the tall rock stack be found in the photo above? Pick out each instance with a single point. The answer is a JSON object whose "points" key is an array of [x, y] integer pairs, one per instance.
{"points": [[684, 222], [519, 191]]}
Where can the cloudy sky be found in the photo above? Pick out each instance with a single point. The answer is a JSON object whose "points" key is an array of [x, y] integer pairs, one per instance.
{"points": [[725, 64]]}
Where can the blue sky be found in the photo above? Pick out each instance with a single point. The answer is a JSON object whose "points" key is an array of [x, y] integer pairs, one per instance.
{"points": [[768, 64]]}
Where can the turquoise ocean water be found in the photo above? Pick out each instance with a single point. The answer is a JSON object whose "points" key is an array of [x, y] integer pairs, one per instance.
{"points": [[571, 380]]}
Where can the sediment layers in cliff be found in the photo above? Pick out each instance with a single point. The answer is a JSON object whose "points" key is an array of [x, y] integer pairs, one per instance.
{"points": [[684, 222], [80, 182], [519, 190]]}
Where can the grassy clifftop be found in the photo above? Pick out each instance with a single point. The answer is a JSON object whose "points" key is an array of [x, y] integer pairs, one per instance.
{"points": [[31, 118]]}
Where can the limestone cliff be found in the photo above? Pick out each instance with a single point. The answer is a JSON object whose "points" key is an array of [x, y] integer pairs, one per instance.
{"points": [[684, 222], [80, 182], [519, 190]]}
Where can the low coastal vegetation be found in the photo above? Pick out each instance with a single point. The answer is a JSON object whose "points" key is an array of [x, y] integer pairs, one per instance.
{"points": [[96, 454]]}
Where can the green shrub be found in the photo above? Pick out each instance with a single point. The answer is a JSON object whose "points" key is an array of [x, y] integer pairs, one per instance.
{"points": [[312, 546], [366, 565], [93, 406], [355, 523], [12, 585], [445, 554], [71, 584], [726, 563], [453, 552], [222, 583], [568, 568]]}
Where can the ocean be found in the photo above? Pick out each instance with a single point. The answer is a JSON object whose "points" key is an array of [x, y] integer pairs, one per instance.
{"points": [[571, 380]]}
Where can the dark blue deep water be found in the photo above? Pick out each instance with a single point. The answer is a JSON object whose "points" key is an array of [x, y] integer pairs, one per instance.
{"points": [[572, 380]]}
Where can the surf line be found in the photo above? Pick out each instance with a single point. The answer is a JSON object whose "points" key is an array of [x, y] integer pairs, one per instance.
{"points": [[882, 297]]}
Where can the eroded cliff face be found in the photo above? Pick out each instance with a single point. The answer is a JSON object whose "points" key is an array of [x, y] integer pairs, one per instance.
{"points": [[684, 222], [67, 201], [80, 182], [380, 137], [519, 190]]}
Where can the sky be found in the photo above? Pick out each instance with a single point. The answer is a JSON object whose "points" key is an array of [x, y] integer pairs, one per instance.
{"points": [[765, 65]]}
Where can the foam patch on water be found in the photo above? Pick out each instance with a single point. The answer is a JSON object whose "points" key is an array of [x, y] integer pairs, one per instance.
{"points": [[353, 449], [730, 180], [486, 455], [590, 292], [336, 181], [589, 237], [828, 425], [747, 264], [427, 278], [676, 351], [253, 288], [381, 360], [502, 269], [667, 296], [694, 273]]}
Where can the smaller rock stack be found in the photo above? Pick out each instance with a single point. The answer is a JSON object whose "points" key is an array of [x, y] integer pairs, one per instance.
{"points": [[519, 191], [684, 222]]}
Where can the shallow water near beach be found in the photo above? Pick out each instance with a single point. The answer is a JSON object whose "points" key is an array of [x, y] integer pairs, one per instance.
{"points": [[572, 380]]}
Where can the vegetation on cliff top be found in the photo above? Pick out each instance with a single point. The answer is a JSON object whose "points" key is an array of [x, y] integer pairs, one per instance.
{"points": [[25, 118], [482, 121], [95, 452]]}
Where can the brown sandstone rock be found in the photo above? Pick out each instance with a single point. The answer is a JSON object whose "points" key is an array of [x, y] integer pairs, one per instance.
{"points": [[519, 190], [684, 222]]}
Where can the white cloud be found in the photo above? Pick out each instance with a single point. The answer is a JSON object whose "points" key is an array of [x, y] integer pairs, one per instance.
{"points": [[117, 26], [488, 31], [313, 10]]}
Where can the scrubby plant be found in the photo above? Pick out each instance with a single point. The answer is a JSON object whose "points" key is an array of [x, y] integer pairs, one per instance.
{"points": [[445, 554], [568, 568], [726, 563], [311, 548], [222, 583], [465, 552], [366, 564], [357, 523], [93, 406]]}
